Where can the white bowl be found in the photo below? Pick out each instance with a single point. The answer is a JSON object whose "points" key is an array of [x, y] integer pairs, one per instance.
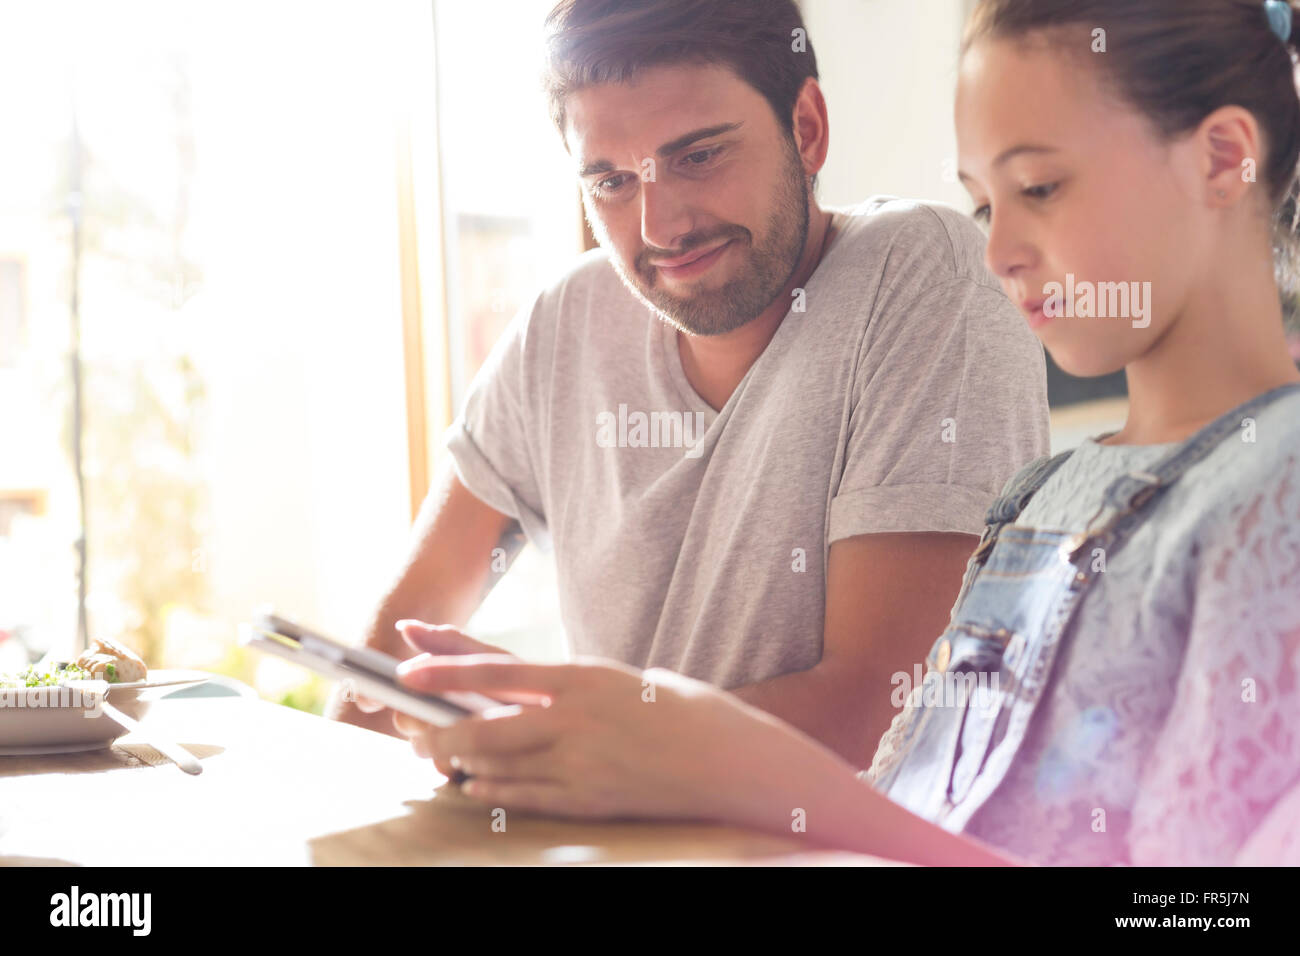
{"points": [[38, 720]]}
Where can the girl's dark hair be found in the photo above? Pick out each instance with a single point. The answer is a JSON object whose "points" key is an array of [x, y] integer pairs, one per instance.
{"points": [[1177, 61], [608, 41]]}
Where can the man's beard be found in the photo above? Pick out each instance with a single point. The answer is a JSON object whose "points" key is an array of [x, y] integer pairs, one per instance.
{"points": [[763, 274]]}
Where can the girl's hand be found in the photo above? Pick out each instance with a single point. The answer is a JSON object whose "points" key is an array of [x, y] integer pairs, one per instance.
{"points": [[598, 739], [601, 740]]}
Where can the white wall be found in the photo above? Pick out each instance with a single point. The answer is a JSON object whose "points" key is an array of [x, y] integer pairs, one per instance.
{"points": [[888, 70]]}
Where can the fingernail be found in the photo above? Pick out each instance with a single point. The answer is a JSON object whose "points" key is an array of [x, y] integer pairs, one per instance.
{"points": [[405, 667]]}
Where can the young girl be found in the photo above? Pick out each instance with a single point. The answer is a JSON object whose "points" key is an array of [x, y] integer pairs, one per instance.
{"points": [[1133, 610]]}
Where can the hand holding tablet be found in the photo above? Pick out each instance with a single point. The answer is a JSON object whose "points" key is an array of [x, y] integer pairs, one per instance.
{"points": [[371, 673]]}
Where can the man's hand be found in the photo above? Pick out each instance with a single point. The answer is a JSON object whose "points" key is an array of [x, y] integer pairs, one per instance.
{"points": [[443, 641]]}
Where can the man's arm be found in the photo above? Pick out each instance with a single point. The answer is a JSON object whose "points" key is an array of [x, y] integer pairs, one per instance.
{"points": [[451, 567], [888, 597]]}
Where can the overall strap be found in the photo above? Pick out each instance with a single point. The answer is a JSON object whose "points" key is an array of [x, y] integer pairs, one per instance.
{"points": [[994, 736], [1022, 487], [1130, 492], [1008, 505]]}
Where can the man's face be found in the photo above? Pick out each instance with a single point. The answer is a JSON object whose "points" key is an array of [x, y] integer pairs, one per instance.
{"points": [[694, 188]]}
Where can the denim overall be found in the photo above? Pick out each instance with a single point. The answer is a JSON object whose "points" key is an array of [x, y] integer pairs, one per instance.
{"points": [[960, 737]]}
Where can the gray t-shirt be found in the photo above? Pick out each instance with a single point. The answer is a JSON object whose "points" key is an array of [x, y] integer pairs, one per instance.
{"points": [[900, 400]]}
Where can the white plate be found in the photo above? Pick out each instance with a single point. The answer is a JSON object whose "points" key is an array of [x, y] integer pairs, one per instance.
{"points": [[50, 722], [158, 678]]}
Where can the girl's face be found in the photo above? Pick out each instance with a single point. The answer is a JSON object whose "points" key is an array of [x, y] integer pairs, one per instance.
{"points": [[1072, 183]]}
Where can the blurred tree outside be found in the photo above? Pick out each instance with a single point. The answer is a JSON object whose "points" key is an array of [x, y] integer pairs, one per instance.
{"points": [[143, 394], [147, 502]]}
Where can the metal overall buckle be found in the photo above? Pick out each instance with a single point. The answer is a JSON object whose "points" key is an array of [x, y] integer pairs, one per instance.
{"points": [[1072, 545]]}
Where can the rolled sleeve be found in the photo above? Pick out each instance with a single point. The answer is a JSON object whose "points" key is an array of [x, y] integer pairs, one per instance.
{"points": [[908, 508], [950, 401], [493, 440], [477, 473]]}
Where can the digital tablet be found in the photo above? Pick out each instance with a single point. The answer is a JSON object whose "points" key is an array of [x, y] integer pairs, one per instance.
{"points": [[366, 672]]}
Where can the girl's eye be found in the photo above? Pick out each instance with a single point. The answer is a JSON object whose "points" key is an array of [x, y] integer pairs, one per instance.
{"points": [[984, 213]]}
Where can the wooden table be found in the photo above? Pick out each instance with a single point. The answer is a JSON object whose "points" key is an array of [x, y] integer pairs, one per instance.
{"points": [[280, 787]]}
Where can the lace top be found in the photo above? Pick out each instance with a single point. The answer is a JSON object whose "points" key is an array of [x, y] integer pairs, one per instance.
{"points": [[1170, 732]]}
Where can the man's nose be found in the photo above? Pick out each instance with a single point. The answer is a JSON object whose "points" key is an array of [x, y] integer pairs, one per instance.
{"points": [[665, 220]]}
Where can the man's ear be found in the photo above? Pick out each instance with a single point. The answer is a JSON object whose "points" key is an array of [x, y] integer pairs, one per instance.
{"points": [[811, 127]]}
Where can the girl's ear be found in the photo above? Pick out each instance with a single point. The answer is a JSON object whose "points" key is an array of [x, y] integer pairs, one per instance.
{"points": [[1230, 143]]}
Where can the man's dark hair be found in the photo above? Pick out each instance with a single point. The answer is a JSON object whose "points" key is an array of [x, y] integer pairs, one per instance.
{"points": [[763, 42]]}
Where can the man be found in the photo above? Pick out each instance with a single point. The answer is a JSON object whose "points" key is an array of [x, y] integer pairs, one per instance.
{"points": [[760, 436]]}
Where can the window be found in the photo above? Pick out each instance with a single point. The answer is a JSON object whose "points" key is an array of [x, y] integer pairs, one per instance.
{"points": [[262, 283], [13, 312]]}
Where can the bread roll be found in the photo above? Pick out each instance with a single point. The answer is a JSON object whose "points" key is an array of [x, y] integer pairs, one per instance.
{"points": [[127, 664]]}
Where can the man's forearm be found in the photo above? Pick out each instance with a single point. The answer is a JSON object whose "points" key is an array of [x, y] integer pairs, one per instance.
{"points": [[411, 597], [848, 719], [438, 585], [461, 549]]}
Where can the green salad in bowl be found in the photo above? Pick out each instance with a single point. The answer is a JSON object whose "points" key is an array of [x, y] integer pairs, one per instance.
{"points": [[53, 675]]}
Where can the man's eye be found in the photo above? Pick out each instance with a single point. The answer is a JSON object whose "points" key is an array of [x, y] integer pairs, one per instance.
{"points": [[982, 214], [609, 184], [701, 156]]}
